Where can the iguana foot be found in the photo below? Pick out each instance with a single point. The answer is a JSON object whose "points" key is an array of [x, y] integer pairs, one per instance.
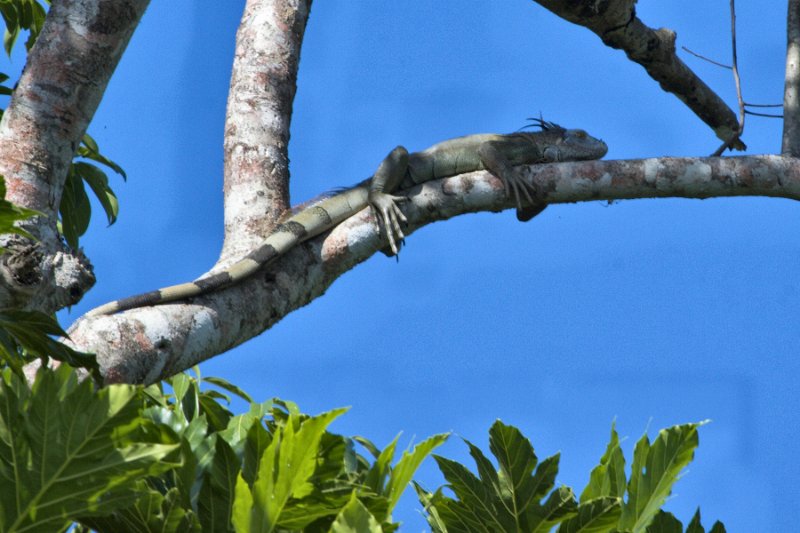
{"points": [[516, 187], [389, 216]]}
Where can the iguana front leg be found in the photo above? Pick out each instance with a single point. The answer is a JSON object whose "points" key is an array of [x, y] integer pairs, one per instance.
{"points": [[496, 163], [385, 205]]}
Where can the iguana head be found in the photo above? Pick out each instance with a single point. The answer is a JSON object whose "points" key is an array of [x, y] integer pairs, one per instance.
{"points": [[562, 144]]}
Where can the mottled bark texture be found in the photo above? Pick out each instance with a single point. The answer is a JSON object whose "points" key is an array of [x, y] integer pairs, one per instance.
{"points": [[64, 79], [263, 85], [615, 22]]}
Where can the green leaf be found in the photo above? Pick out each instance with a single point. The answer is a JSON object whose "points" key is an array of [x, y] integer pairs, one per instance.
{"points": [[9, 38], [215, 502], [239, 425], [717, 528], [283, 472], [407, 465], [180, 384], [152, 511], [377, 475], [607, 478], [355, 518], [560, 505], [230, 387], [243, 509], [431, 503], [694, 525], [74, 208], [517, 460], [189, 401], [330, 474], [98, 181], [655, 469], [25, 13], [90, 150], [368, 445], [10, 214], [90, 143], [474, 495], [664, 523], [507, 500], [30, 331], [9, 12], [486, 470], [36, 22], [80, 454], [256, 443], [594, 516], [218, 416], [544, 479]]}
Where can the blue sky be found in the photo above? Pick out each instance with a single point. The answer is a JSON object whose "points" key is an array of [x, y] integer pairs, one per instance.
{"points": [[650, 312]]}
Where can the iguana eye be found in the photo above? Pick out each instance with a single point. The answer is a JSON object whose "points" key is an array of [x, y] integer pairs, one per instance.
{"points": [[580, 134]]}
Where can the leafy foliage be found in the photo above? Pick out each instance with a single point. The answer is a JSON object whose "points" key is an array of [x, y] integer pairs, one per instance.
{"points": [[75, 208], [21, 15], [68, 449], [10, 214], [25, 335], [128, 458], [520, 495], [269, 469]]}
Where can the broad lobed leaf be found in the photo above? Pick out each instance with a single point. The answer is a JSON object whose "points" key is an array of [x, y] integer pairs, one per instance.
{"points": [[79, 445]]}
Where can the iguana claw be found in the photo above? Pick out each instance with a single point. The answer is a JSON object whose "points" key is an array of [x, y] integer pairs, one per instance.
{"points": [[388, 214], [513, 184], [495, 162]]}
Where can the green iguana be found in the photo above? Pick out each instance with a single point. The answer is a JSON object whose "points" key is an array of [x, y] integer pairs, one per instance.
{"points": [[399, 171]]}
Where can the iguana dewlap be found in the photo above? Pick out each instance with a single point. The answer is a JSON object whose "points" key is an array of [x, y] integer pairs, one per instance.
{"points": [[496, 153]]}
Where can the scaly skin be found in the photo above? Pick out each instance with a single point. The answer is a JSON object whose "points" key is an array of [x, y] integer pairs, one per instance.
{"points": [[400, 170]]}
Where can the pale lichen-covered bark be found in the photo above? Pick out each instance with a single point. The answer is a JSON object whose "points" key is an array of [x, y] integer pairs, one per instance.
{"points": [[144, 345], [263, 85], [616, 23], [791, 93], [64, 79]]}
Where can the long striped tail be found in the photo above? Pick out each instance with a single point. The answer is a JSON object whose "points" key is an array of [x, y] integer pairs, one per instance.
{"points": [[302, 226]]}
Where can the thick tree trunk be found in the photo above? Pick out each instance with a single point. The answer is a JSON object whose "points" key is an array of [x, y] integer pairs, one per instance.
{"points": [[64, 79]]}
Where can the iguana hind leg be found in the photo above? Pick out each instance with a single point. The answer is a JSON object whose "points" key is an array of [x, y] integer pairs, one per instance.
{"points": [[386, 205], [495, 162]]}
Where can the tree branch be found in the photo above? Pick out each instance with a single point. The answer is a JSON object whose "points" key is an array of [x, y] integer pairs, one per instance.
{"points": [[263, 85], [148, 344], [57, 95], [615, 22], [791, 93]]}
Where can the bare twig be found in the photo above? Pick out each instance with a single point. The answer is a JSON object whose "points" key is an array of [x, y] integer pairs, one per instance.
{"points": [[738, 81], [704, 58], [617, 25], [768, 115], [791, 95]]}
